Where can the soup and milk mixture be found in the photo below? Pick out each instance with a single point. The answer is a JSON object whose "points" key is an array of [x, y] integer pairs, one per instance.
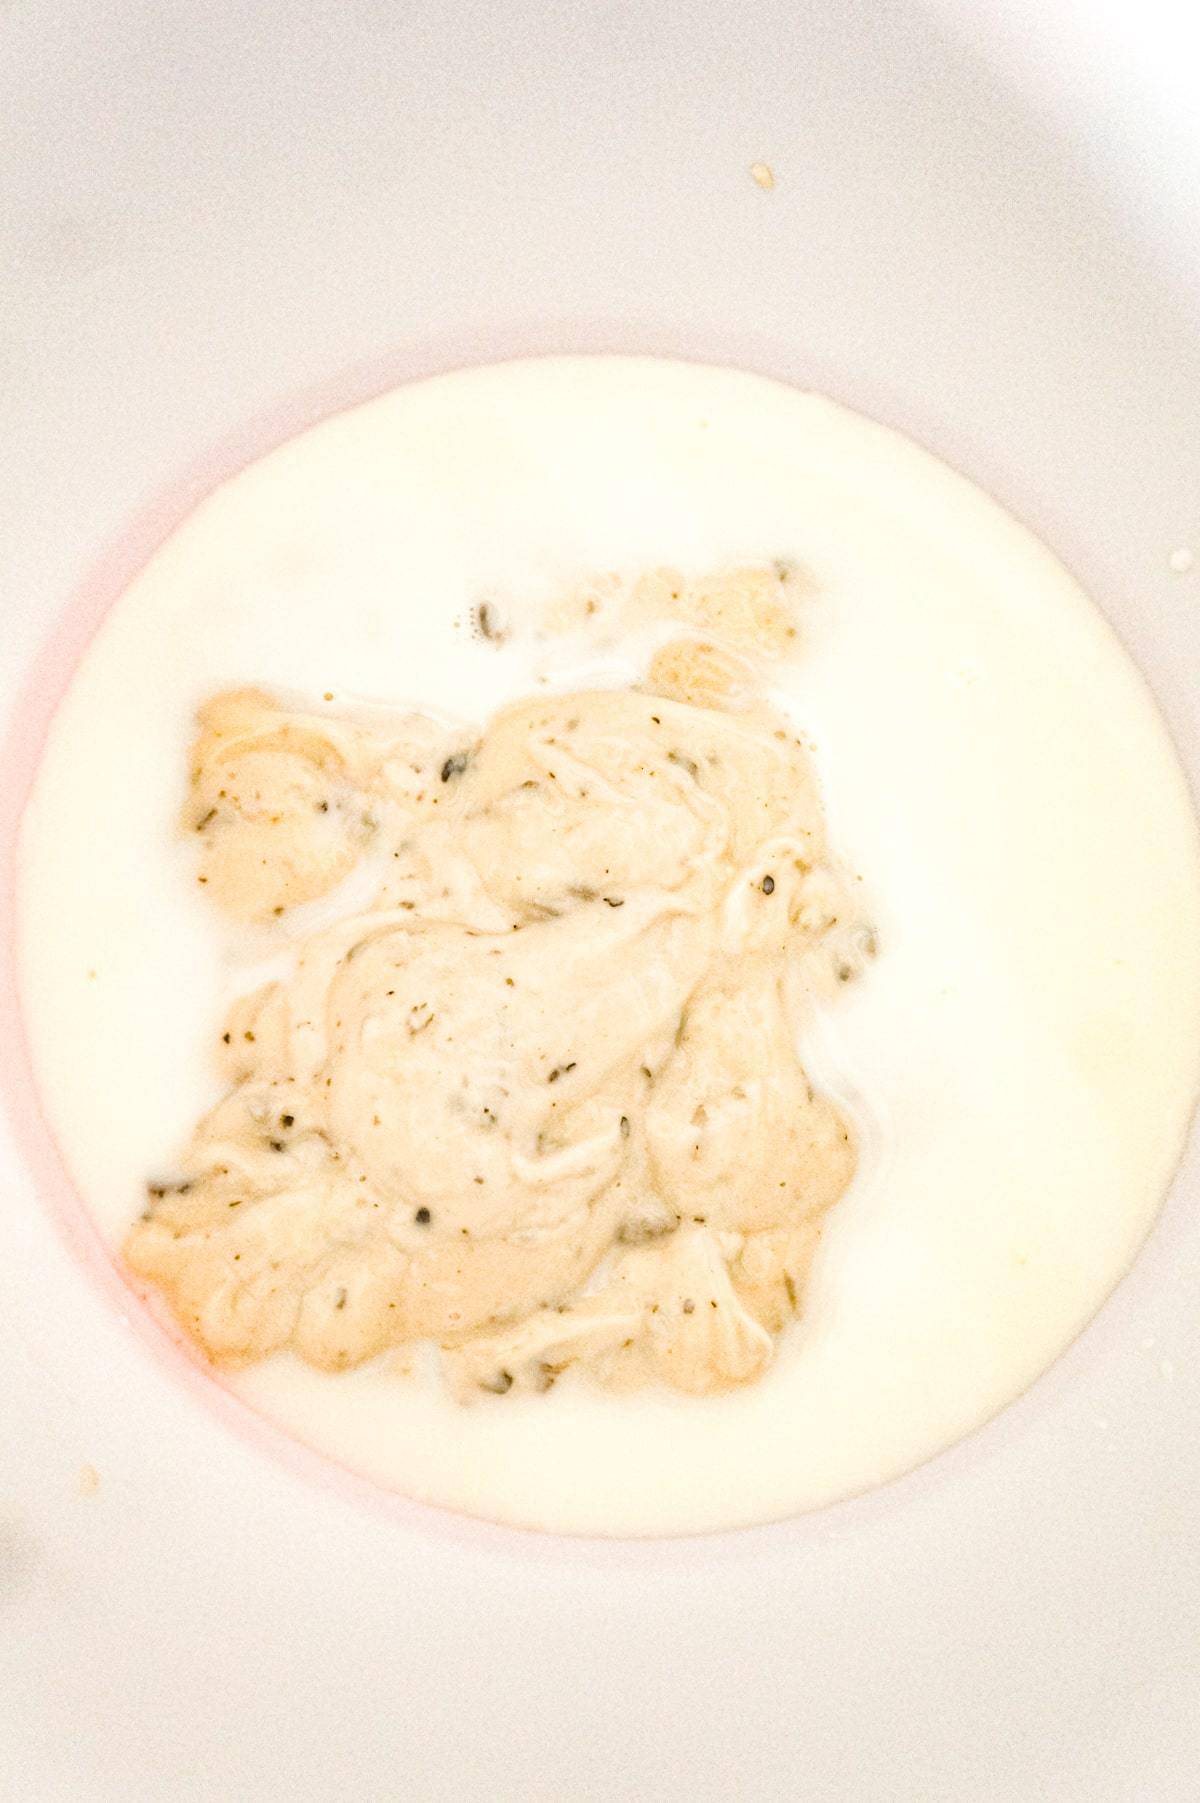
{"points": [[614, 945]]}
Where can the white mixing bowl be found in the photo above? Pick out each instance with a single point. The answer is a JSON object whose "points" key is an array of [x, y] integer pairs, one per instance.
{"points": [[217, 221]]}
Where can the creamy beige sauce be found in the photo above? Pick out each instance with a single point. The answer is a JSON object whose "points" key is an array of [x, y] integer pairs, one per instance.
{"points": [[1018, 1065], [541, 1101]]}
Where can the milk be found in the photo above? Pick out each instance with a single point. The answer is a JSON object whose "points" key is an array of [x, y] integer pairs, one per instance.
{"points": [[1021, 1059]]}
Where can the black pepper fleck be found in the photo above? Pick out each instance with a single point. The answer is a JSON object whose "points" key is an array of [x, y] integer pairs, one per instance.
{"points": [[489, 622], [422, 1217], [684, 763], [768, 885]]}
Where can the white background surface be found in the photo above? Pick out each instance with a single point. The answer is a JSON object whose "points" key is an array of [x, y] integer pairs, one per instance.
{"points": [[985, 231]]}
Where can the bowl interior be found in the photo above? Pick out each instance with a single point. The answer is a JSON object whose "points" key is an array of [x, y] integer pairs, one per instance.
{"points": [[218, 227]]}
